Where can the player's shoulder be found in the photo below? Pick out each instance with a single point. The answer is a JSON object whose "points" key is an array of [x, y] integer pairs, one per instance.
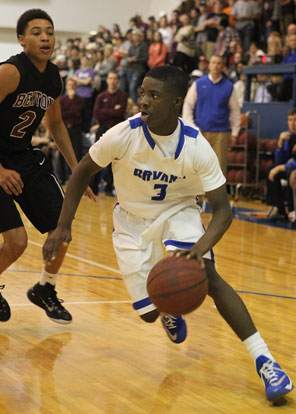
{"points": [[9, 79], [120, 130], [189, 129], [125, 130]]}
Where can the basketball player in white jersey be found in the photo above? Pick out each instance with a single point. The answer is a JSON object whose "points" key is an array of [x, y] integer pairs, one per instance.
{"points": [[160, 163]]}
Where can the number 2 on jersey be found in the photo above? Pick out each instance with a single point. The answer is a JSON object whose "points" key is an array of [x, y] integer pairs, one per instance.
{"points": [[162, 193], [28, 118]]}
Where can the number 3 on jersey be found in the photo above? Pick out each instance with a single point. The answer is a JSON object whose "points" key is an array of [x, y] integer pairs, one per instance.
{"points": [[162, 193], [28, 118]]}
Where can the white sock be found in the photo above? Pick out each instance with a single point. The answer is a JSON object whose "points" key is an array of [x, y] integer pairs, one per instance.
{"points": [[256, 346], [47, 277]]}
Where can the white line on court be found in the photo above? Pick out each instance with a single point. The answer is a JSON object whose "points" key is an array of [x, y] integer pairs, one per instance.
{"points": [[81, 259], [95, 302]]}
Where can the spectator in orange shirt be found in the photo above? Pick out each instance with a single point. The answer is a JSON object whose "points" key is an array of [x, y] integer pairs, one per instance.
{"points": [[157, 51]]}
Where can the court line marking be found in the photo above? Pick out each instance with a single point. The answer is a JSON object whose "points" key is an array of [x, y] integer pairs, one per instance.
{"points": [[118, 272], [81, 259], [65, 274], [78, 303]]}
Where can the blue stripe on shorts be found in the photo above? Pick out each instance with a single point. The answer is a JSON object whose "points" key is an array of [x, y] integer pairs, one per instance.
{"points": [[179, 244], [185, 246]]}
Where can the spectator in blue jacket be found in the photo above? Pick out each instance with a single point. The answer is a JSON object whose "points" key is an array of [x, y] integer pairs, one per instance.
{"points": [[285, 163]]}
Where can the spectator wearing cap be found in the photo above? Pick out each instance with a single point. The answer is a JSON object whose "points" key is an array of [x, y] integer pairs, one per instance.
{"points": [[211, 104], [203, 65], [253, 53], [136, 63]]}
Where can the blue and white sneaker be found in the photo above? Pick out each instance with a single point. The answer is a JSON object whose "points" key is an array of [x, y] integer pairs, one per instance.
{"points": [[276, 381], [175, 327]]}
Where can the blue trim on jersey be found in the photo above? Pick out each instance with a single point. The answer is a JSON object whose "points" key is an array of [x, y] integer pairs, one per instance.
{"points": [[179, 244], [181, 140], [184, 130], [135, 123], [142, 303], [149, 138], [190, 132]]}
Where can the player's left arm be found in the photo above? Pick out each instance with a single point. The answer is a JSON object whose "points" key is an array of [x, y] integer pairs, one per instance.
{"points": [[221, 220], [59, 133], [75, 188]]}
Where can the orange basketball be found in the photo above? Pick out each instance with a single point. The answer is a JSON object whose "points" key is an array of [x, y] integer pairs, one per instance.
{"points": [[245, 120], [177, 285]]}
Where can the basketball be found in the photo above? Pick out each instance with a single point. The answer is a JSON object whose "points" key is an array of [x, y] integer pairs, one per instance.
{"points": [[177, 285], [231, 175], [239, 157], [241, 140], [245, 120]]}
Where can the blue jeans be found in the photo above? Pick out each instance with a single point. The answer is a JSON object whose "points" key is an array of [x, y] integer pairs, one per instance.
{"points": [[134, 81]]}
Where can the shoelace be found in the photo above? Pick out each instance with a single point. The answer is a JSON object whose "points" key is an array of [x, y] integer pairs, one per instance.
{"points": [[269, 371], [54, 300], [170, 321]]}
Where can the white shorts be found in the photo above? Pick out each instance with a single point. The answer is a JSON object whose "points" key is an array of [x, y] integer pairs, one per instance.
{"points": [[140, 243]]}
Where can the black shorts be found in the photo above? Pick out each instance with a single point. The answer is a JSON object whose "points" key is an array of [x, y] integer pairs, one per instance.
{"points": [[42, 196]]}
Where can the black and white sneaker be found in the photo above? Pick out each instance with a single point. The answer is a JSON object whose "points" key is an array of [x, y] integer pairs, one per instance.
{"points": [[4, 308], [46, 298]]}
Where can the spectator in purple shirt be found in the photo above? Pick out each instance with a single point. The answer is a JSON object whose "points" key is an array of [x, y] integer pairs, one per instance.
{"points": [[84, 78]]}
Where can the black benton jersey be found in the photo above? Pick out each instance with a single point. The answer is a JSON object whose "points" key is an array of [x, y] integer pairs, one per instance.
{"points": [[22, 111]]}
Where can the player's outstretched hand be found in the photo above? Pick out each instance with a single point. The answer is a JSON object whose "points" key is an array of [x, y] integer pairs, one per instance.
{"points": [[11, 181], [90, 194], [193, 253], [54, 240]]}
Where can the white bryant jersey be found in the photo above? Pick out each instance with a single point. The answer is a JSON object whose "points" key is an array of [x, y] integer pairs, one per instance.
{"points": [[148, 183]]}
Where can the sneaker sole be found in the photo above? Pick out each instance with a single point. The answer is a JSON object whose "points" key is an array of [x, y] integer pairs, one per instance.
{"points": [[31, 298]]}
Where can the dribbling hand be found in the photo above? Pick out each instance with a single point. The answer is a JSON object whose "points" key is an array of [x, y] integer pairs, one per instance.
{"points": [[53, 242], [193, 253]]}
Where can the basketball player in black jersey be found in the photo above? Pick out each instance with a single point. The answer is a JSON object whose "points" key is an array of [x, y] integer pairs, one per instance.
{"points": [[30, 86]]}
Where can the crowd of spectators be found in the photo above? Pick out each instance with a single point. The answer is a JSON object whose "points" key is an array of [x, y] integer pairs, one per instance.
{"points": [[242, 32]]}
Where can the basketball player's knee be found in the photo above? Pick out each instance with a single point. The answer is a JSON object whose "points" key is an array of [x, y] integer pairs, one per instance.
{"points": [[150, 317], [16, 248]]}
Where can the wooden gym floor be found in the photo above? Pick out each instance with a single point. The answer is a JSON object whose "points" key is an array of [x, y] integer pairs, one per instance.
{"points": [[110, 362]]}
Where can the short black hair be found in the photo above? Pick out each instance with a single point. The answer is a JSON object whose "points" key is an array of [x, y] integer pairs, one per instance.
{"points": [[175, 80], [29, 15], [292, 111]]}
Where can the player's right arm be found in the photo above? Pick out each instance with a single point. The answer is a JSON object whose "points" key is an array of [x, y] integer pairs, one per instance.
{"points": [[10, 180], [75, 189]]}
